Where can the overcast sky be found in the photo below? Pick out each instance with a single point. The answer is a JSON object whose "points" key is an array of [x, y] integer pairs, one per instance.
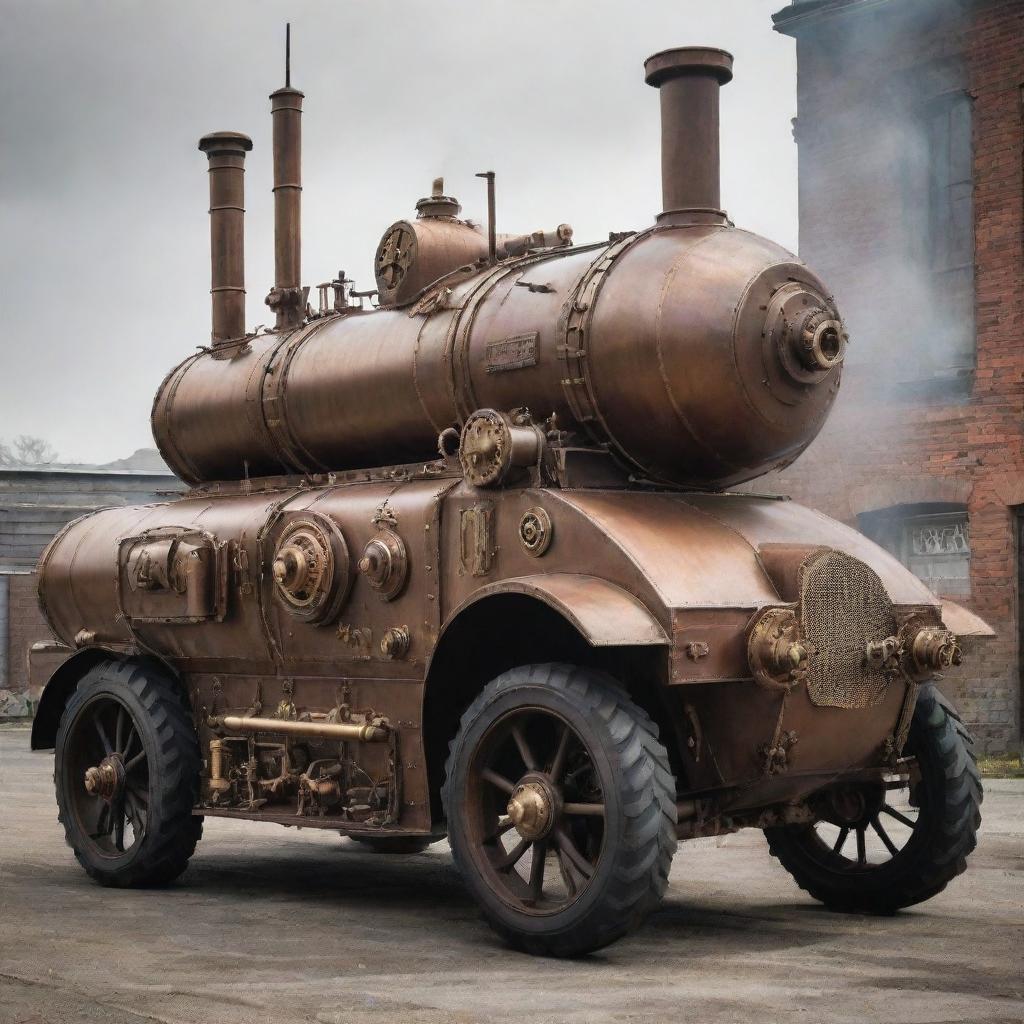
{"points": [[103, 193]]}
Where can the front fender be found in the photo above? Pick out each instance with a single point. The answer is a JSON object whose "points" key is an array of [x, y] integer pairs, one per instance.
{"points": [[605, 615]]}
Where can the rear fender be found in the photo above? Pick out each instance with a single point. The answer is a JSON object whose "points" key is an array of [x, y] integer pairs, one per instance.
{"points": [[61, 685]]}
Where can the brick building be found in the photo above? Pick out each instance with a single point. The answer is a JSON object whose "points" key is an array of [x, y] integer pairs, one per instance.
{"points": [[34, 504], [911, 155]]}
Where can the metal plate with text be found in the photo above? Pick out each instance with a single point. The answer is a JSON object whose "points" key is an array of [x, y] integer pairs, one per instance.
{"points": [[512, 353]]}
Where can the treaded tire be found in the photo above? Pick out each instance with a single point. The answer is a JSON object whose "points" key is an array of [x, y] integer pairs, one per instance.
{"points": [[639, 838], [163, 725], [950, 796]]}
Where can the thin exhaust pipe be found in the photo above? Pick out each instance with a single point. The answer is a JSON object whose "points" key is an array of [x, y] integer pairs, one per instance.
{"points": [[287, 298]]}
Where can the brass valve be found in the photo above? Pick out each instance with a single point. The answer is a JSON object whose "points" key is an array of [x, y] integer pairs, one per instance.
{"points": [[384, 563], [881, 653], [778, 655], [935, 649]]}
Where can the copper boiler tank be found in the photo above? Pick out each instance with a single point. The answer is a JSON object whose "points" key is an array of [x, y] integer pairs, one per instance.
{"points": [[697, 354]]}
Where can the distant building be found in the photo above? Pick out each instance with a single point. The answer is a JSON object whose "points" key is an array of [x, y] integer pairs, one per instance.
{"points": [[34, 504], [911, 157]]}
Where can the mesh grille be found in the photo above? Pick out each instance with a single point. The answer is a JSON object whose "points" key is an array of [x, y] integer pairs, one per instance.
{"points": [[843, 605]]}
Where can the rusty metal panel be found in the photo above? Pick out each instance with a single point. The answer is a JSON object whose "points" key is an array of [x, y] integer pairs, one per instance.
{"points": [[709, 646], [762, 521], [690, 558]]}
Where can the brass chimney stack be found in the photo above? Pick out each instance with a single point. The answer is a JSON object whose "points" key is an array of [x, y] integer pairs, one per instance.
{"points": [[287, 298], [226, 154], [689, 79]]}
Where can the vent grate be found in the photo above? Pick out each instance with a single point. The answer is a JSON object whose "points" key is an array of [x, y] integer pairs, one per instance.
{"points": [[843, 606]]}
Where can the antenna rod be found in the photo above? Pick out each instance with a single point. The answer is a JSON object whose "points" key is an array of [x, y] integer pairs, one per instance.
{"points": [[288, 55], [492, 238]]}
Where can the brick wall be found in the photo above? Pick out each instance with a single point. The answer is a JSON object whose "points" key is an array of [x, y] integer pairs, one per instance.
{"points": [[891, 441], [25, 627]]}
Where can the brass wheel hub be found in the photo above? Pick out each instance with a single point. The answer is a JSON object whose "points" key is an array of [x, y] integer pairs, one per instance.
{"points": [[106, 779], [533, 808]]}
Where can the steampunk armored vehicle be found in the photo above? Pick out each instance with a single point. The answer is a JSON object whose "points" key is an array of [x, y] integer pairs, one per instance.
{"points": [[463, 561]]}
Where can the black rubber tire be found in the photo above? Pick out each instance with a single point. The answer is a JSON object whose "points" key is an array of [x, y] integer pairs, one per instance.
{"points": [[168, 736], [949, 795], [396, 845], [640, 798]]}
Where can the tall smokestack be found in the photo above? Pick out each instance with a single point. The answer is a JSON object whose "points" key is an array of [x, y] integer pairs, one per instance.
{"points": [[226, 154], [689, 79], [286, 298]]}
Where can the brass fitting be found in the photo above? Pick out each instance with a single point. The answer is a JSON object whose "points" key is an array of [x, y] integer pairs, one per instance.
{"points": [[777, 653], [880, 653], [102, 780], [934, 649], [395, 642], [493, 444], [220, 759]]}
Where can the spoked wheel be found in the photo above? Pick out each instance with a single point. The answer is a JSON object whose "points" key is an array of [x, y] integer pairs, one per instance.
{"points": [[869, 823], [555, 807], [892, 842], [126, 772], [561, 809], [106, 752]]}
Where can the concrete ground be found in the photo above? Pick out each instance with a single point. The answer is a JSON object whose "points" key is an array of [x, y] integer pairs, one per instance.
{"points": [[270, 925]]}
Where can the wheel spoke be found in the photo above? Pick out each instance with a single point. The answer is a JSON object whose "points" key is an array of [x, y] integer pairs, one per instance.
{"points": [[513, 856], [884, 836], [568, 847], [119, 730], [862, 853], [500, 830], [107, 748], [132, 737], [524, 749], [103, 822], [561, 754], [491, 776], [584, 810], [902, 818], [566, 868], [118, 812], [136, 813], [136, 760], [540, 853], [841, 840]]}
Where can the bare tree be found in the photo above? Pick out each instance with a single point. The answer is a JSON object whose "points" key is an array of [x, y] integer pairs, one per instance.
{"points": [[26, 450]]}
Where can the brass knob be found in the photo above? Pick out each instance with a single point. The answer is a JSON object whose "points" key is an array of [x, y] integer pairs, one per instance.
{"points": [[395, 642], [291, 568]]}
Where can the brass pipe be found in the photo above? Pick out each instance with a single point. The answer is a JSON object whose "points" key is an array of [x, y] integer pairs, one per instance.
{"points": [[226, 154], [287, 727]]}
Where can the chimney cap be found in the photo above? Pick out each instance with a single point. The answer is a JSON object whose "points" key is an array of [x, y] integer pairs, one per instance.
{"points": [[437, 204], [231, 142], [688, 60]]}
